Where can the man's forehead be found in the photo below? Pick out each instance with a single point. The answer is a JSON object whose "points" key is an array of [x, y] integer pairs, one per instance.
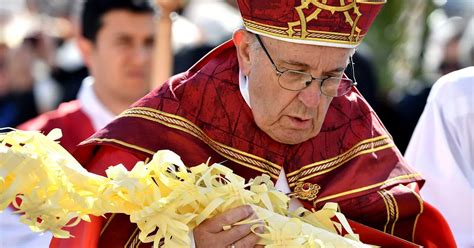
{"points": [[127, 21]]}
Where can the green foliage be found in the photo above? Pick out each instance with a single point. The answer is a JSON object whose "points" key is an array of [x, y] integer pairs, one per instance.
{"points": [[401, 23]]}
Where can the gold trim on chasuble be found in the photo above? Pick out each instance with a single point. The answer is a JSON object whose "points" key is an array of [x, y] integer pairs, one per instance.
{"points": [[420, 200], [133, 241], [303, 190], [257, 163], [322, 167], [392, 210], [291, 32], [124, 144], [180, 123], [109, 220], [296, 178], [368, 187]]}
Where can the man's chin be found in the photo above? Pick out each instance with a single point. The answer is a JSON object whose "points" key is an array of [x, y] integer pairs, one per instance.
{"points": [[136, 80], [292, 137]]}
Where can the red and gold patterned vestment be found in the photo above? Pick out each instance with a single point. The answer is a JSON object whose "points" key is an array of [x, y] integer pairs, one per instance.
{"points": [[201, 114]]}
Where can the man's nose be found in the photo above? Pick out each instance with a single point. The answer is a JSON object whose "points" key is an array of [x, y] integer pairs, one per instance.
{"points": [[311, 95], [141, 55]]}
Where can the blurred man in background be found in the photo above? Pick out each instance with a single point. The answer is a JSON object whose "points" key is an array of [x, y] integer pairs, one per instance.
{"points": [[116, 42]]}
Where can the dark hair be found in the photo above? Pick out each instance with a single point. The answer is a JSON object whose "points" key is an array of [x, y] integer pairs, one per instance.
{"points": [[94, 10]]}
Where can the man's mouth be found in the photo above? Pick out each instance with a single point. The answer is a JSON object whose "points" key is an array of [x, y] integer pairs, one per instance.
{"points": [[300, 123], [136, 75]]}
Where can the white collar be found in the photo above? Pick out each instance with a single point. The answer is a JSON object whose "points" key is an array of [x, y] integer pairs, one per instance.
{"points": [[99, 115], [244, 88]]}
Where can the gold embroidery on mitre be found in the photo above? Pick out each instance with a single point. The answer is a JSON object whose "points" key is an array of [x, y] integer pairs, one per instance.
{"points": [[320, 6], [306, 191]]}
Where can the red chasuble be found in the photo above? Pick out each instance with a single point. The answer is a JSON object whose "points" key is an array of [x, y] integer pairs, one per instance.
{"points": [[75, 125], [201, 114]]}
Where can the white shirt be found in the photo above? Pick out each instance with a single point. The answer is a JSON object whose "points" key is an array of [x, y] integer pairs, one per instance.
{"points": [[442, 150], [92, 107], [13, 233]]}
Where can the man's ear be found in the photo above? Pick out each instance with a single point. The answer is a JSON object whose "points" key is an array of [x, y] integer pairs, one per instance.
{"points": [[86, 48], [242, 40]]}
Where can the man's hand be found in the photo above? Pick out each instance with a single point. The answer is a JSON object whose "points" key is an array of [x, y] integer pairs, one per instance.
{"points": [[168, 6], [211, 233]]}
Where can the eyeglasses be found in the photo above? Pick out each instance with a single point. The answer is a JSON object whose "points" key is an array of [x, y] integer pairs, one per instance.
{"points": [[298, 80]]}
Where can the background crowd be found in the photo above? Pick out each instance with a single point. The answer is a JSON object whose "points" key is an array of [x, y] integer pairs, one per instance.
{"points": [[412, 44]]}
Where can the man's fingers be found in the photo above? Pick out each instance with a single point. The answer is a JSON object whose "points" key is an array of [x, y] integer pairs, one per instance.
{"points": [[248, 241], [236, 233], [227, 218], [212, 230]]}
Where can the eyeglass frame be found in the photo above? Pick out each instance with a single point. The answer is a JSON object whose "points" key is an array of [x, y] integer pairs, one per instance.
{"points": [[280, 72]]}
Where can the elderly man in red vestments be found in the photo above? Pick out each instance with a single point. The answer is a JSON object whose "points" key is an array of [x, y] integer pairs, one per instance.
{"points": [[274, 100]]}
